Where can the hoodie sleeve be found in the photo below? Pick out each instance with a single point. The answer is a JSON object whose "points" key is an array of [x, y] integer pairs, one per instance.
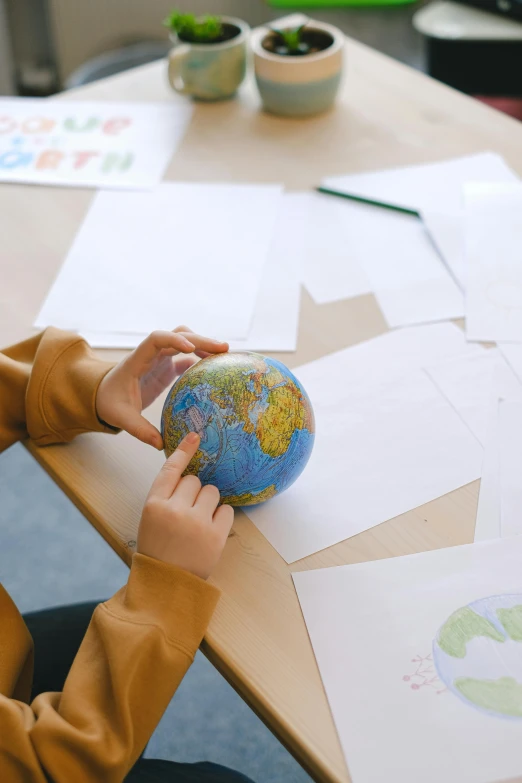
{"points": [[48, 387]]}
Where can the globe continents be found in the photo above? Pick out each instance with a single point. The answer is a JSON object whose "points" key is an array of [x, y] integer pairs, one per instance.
{"points": [[255, 421], [478, 655]]}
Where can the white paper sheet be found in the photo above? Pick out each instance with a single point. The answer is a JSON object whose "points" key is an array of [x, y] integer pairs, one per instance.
{"points": [[396, 672], [382, 360], [431, 187], [510, 463], [447, 233], [276, 316], [493, 253], [184, 253], [89, 144], [330, 262], [467, 385], [505, 386], [512, 353], [397, 259], [380, 450]]}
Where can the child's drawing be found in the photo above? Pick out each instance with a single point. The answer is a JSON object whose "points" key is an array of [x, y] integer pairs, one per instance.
{"points": [[478, 655], [424, 675]]}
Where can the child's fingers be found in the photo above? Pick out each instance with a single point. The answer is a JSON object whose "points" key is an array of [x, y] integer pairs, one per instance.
{"points": [[180, 365], [155, 344], [135, 424], [205, 343], [223, 519], [169, 476], [186, 492], [208, 499]]}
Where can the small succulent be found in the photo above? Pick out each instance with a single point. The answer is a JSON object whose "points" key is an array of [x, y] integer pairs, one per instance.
{"points": [[203, 29], [290, 41]]}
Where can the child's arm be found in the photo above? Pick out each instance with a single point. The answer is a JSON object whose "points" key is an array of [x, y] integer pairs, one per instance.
{"points": [[137, 648], [52, 387]]}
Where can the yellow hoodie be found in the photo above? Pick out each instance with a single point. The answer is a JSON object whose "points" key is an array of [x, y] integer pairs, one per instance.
{"points": [[139, 644]]}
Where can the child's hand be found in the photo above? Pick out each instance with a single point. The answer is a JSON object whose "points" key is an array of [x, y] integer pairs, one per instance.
{"points": [[180, 524], [136, 381]]}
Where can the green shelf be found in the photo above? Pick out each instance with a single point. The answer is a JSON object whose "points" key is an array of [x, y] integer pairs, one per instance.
{"points": [[334, 3]]}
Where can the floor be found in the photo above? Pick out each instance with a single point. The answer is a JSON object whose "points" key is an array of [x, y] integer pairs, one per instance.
{"points": [[49, 554]]}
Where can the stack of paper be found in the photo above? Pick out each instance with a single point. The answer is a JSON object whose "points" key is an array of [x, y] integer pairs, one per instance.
{"points": [[431, 187], [433, 191], [331, 270], [275, 321], [388, 439], [185, 253], [505, 387], [353, 248], [493, 235]]}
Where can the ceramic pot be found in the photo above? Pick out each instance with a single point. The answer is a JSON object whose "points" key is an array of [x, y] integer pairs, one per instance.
{"points": [[300, 85], [210, 71]]}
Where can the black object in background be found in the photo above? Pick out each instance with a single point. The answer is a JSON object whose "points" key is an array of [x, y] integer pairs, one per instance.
{"points": [[477, 67]]}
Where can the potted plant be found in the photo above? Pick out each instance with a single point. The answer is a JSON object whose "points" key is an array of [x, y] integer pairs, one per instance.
{"points": [[298, 64], [208, 60]]}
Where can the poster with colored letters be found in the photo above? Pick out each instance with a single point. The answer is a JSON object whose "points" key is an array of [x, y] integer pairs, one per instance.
{"points": [[88, 144]]}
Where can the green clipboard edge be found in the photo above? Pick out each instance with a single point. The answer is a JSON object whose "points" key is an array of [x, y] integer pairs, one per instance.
{"points": [[334, 3]]}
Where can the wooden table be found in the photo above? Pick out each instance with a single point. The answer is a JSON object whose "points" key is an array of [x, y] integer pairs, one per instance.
{"points": [[388, 115]]}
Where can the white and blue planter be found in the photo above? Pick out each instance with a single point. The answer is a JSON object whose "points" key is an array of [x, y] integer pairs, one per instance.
{"points": [[302, 85]]}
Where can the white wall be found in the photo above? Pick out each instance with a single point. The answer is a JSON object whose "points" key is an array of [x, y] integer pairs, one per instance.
{"points": [[85, 28]]}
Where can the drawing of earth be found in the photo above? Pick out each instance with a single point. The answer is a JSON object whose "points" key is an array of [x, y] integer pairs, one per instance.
{"points": [[478, 655]]}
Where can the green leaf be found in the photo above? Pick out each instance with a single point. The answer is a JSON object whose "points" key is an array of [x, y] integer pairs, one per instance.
{"points": [[190, 28], [291, 37]]}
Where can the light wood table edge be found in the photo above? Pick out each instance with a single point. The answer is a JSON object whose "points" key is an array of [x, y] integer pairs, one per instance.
{"points": [[213, 652]]}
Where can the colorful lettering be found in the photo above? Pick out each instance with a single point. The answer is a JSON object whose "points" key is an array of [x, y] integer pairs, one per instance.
{"points": [[7, 124], [116, 161], [50, 159], [82, 158], [117, 124], [73, 124], [37, 125], [13, 159]]}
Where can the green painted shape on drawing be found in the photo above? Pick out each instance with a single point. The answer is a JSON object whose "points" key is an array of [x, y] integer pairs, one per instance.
{"points": [[463, 626], [511, 619], [503, 696]]}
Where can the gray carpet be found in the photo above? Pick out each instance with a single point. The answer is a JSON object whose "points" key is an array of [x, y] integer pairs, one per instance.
{"points": [[49, 555]]}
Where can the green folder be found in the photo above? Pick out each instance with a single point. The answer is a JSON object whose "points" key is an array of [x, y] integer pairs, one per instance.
{"points": [[333, 3]]}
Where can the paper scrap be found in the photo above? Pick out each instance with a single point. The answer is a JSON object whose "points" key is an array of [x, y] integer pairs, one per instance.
{"points": [[101, 144], [493, 253], [184, 253], [421, 661]]}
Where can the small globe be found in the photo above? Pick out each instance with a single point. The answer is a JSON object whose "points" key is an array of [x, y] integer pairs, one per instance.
{"points": [[255, 421]]}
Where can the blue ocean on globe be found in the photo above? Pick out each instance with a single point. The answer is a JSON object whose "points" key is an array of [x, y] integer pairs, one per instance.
{"points": [[255, 421]]}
